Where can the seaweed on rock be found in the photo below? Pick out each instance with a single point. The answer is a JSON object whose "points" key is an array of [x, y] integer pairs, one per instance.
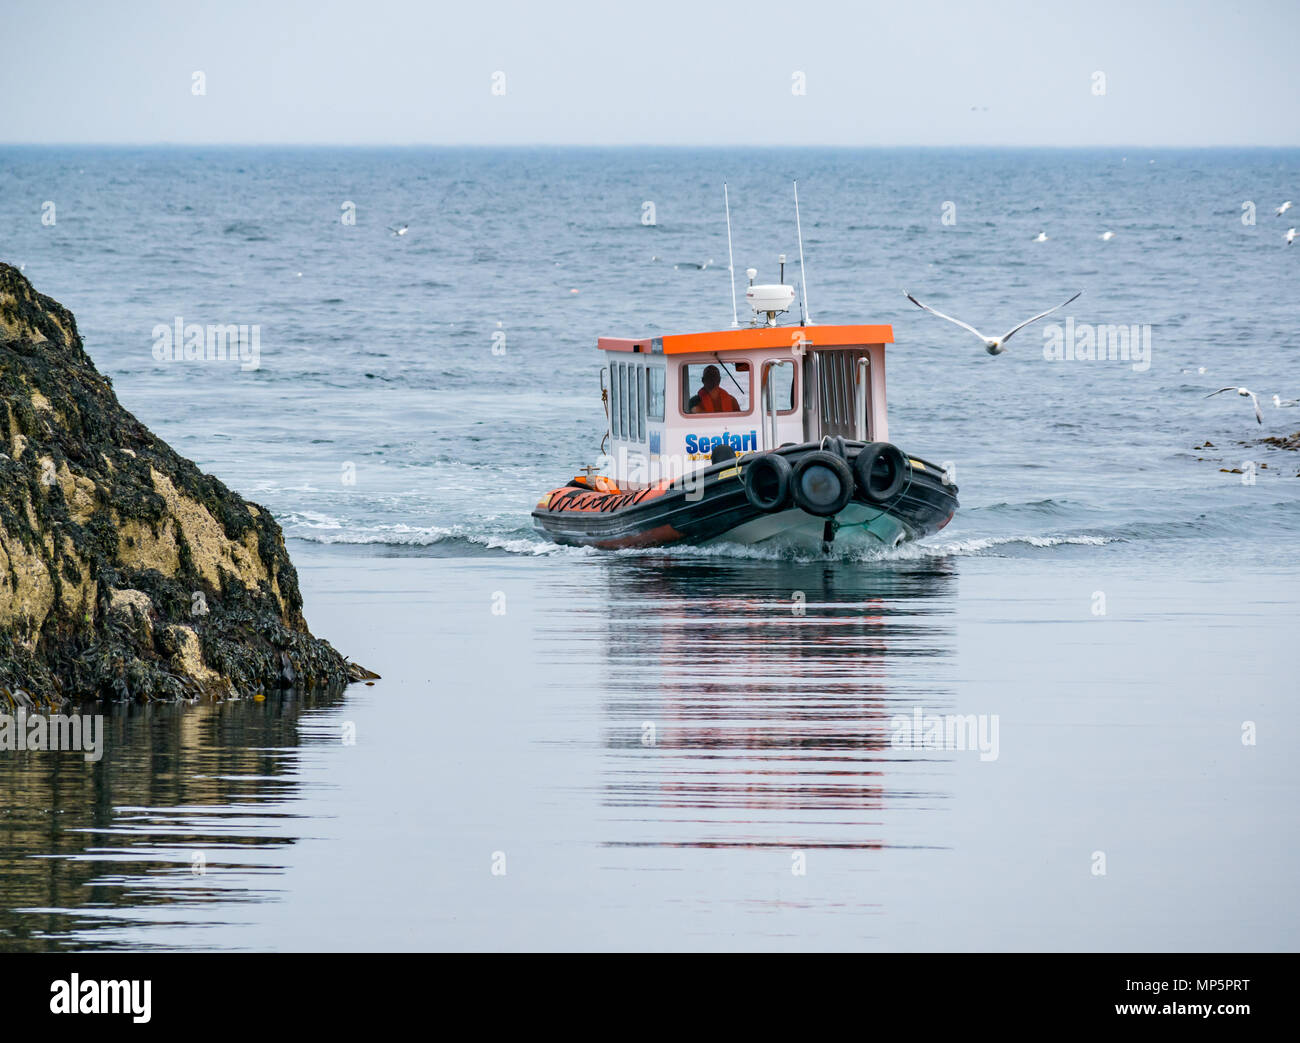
{"points": [[125, 572]]}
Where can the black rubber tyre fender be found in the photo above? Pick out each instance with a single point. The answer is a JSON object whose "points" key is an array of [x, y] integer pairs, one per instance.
{"points": [[821, 484], [877, 457], [767, 482]]}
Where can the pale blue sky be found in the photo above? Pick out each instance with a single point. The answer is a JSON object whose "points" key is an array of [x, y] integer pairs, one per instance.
{"points": [[686, 73]]}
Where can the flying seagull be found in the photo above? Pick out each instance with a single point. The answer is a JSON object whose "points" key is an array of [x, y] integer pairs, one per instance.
{"points": [[1283, 208], [399, 229], [1290, 236], [1107, 236], [1041, 237], [1244, 392], [993, 345]]}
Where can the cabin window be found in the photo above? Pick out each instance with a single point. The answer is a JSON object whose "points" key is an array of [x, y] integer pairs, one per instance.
{"points": [[780, 376], [715, 387], [655, 395], [622, 401], [640, 403], [613, 399]]}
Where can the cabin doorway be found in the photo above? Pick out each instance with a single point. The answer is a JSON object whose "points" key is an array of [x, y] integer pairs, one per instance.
{"points": [[838, 383]]}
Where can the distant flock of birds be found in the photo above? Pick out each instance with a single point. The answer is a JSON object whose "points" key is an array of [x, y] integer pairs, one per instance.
{"points": [[1290, 232], [997, 345], [1041, 237], [1105, 236], [1108, 235]]}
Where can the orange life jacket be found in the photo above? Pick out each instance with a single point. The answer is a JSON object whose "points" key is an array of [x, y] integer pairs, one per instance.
{"points": [[717, 401]]}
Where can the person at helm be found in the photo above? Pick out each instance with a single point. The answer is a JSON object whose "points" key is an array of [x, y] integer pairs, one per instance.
{"points": [[711, 398]]}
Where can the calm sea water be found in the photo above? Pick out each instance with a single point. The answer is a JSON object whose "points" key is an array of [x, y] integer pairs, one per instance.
{"points": [[691, 749]]}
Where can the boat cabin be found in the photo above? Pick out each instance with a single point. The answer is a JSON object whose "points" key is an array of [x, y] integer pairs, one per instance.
{"points": [[673, 400]]}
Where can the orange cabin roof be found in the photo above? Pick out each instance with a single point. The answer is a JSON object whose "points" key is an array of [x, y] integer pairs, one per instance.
{"points": [[750, 338]]}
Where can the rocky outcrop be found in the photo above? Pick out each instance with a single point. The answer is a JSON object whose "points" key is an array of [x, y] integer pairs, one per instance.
{"points": [[124, 571]]}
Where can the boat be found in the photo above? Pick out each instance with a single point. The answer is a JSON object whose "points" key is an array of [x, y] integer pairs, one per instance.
{"points": [[771, 434]]}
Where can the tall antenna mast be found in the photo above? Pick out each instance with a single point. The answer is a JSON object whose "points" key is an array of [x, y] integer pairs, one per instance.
{"points": [[731, 261], [802, 273]]}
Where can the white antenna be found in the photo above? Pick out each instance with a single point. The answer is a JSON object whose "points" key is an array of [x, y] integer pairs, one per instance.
{"points": [[807, 312], [731, 261]]}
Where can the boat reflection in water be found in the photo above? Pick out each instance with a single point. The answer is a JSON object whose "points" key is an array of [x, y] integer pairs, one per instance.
{"points": [[183, 820], [687, 716], [748, 703]]}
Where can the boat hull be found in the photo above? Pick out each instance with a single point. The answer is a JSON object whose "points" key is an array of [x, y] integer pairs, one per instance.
{"points": [[712, 507]]}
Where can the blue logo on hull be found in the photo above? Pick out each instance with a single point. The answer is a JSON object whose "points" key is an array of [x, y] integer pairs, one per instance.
{"points": [[705, 443]]}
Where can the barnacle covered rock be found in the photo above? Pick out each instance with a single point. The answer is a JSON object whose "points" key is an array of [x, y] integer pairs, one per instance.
{"points": [[125, 572]]}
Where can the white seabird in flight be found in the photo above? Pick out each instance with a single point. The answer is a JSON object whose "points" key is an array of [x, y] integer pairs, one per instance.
{"points": [[1244, 393], [1283, 208], [399, 229], [1041, 237], [993, 345], [1107, 236], [1290, 236]]}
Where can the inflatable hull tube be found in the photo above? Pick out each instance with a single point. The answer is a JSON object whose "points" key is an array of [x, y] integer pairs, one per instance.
{"points": [[752, 500]]}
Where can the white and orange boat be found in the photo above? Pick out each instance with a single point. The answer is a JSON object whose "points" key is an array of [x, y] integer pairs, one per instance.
{"points": [[767, 434]]}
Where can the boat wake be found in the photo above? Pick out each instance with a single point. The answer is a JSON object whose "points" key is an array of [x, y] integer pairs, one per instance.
{"points": [[504, 535], [459, 541]]}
